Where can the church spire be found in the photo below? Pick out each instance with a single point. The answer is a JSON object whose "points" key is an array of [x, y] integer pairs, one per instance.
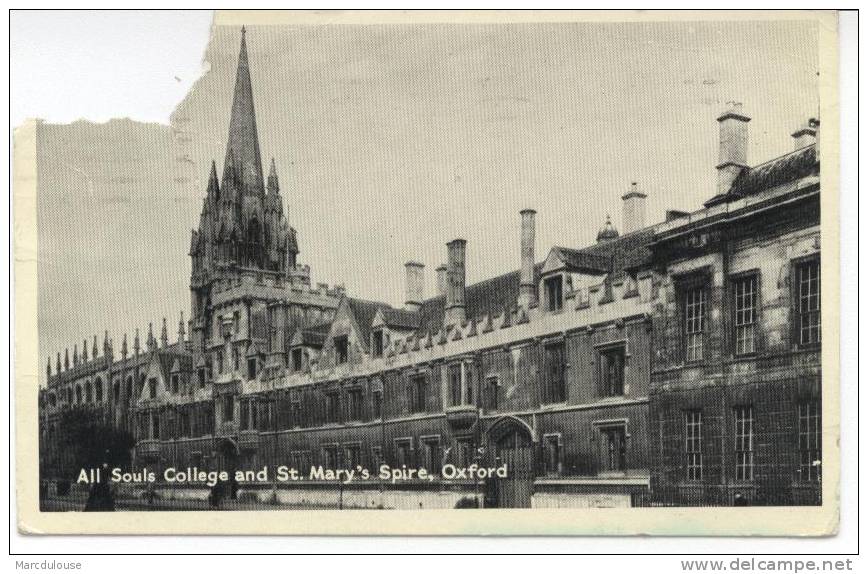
{"points": [[273, 184], [164, 335], [213, 186], [243, 144]]}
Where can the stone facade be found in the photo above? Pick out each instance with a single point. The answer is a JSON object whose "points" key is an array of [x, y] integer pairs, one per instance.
{"points": [[763, 246], [580, 372]]}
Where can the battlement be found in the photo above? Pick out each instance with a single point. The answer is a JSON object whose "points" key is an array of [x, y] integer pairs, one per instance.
{"points": [[584, 308], [321, 289], [297, 280], [85, 364], [600, 306]]}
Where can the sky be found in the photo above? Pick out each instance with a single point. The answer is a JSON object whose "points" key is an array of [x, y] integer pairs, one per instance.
{"points": [[389, 141]]}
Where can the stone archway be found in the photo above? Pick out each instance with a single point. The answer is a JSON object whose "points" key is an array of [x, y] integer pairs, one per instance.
{"points": [[227, 460], [512, 441]]}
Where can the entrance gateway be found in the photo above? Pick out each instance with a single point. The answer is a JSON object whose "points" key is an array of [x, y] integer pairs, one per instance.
{"points": [[227, 460], [513, 446]]}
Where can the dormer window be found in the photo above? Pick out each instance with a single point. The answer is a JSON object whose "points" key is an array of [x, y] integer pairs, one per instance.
{"points": [[175, 383], [377, 343], [251, 368], [554, 293], [342, 347], [152, 387]]}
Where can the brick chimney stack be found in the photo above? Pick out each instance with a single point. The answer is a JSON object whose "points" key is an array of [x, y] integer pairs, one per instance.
{"points": [[455, 284], [806, 135], [527, 291], [732, 155], [415, 285], [634, 209], [441, 280]]}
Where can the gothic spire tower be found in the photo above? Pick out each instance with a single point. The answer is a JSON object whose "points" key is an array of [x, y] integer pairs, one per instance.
{"points": [[243, 143], [242, 226]]}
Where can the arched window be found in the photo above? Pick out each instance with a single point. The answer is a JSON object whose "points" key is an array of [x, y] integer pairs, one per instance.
{"points": [[52, 399], [116, 390], [78, 396], [88, 392], [97, 386]]}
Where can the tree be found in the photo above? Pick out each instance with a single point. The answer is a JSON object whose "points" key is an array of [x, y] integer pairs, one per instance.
{"points": [[90, 441]]}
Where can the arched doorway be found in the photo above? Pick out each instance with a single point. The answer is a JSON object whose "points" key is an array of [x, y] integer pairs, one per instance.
{"points": [[227, 460], [514, 446]]}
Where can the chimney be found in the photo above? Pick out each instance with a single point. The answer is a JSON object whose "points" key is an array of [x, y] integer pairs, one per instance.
{"points": [[455, 275], [415, 285], [806, 135], [634, 209], [527, 291], [441, 280], [732, 156]]}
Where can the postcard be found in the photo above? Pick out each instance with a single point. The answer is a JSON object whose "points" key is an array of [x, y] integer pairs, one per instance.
{"points": [[464, 273]]}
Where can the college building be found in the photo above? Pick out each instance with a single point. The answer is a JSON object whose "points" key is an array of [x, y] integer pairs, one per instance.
{"points": [[669, 363]]}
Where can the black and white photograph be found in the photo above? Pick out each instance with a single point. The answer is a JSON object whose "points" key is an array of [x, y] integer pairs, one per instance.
{"points": [[557, 265]]}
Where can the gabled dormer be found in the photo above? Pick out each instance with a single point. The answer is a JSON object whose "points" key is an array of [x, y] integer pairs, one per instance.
{"points": [[390, 324], [156, 383], [305, 347], [568, 273], [349, 338]]}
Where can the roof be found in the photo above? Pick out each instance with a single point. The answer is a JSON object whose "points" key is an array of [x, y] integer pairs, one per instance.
{"points": [[626, 252], [492, 296], [488, 297], [580, 260], [401, 318], [167, 357], [315, 336], [364, 312], [785, 169]]}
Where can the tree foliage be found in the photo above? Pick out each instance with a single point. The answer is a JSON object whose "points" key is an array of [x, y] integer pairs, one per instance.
{"points": [[91, 441]]}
